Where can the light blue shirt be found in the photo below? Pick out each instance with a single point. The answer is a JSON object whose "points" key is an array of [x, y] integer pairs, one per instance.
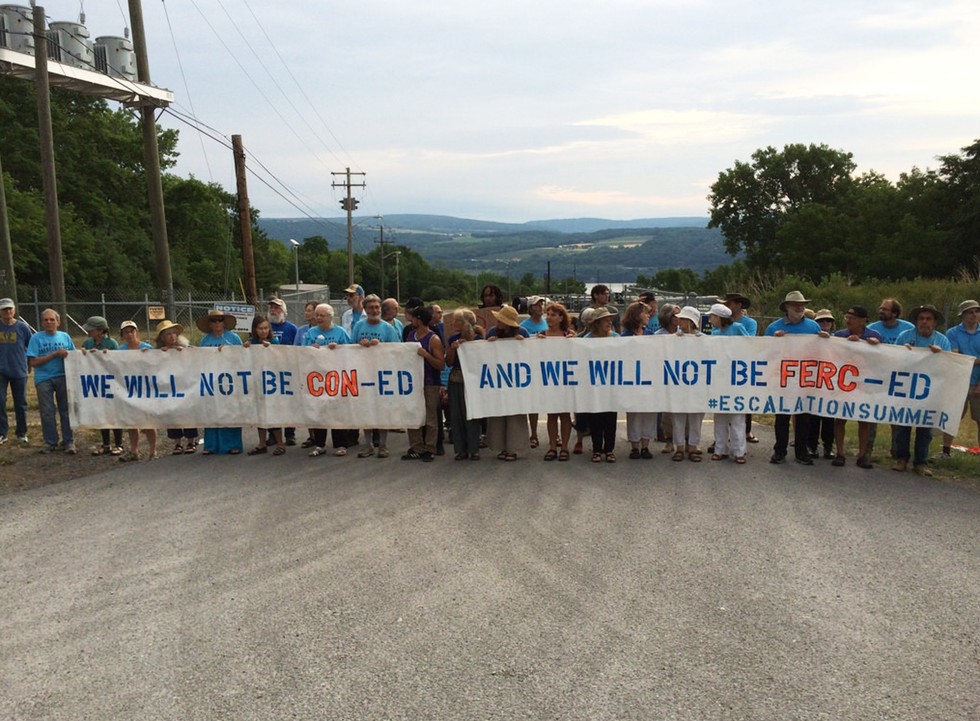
{"points": [[42, 344], [804, 327], [534, 328], [967, 343], [316, 336], [890, 335], [912, 338], [384, 332]]}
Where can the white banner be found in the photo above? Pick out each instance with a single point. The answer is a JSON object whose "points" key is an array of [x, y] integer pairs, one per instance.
{"points": [[348, 387], [691, 374]]}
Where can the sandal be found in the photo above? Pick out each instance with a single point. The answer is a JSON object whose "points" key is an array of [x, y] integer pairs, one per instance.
{"points": [[668, 448], [258, 450], [751, 439], [563, 455], [234, 451], [534, 442], [678, 456], [502, 456], [340, 451], [645, 454], [280, 450], [694, 456], [719, 456], [178, 449], [597, 458], [551, 455], [191, 448], [317, 451], [510, 457], [461, 456], [610, 458], [740, 460], [577, 450], [101, 451]]}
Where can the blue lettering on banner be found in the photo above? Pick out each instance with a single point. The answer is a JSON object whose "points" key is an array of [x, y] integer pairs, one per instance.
{"points": [[613, 373], [748, 373], [558, 373], [511, 375], [914, 386], [96, 385], [688, 372], [149, 387], [405, 383]]}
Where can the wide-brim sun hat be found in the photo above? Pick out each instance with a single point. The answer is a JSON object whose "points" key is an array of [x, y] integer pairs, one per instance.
{"points": [[967, 305], [794, 296], [914, 313], [823, 314], [507, 315], [204, 322], [601, 313], [737, 298], [165, 325], [96, 322], [692, 314]]}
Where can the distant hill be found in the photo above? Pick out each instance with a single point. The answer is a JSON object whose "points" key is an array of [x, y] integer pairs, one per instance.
{"points": [[587, 248]]}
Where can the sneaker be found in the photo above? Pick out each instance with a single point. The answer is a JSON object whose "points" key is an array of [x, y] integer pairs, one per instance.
{"points": [[923, 470], [3, 439], [411, 456], [70, 449], [943, 456], [838, 461], [778, 458], [427, 457], [290, 441], [22, 440], [383, 452], [635, 454], [804, 460], [48, 448], [366, 452], [865, 462]]}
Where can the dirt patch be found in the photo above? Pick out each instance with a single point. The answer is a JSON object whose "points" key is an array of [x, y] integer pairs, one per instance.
{"points": [[23, 467]]}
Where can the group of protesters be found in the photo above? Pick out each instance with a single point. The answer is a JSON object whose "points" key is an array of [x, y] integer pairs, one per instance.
{"points": [[370, 320]]}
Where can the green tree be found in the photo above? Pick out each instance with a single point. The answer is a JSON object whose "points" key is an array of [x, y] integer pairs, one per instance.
{"points": [[751, 201]]}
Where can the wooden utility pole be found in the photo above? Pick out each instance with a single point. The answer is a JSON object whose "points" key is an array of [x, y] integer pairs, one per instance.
{"points": [[8, 279], [52, 220], [245, 221], [151, 160], [381, 242], [350, 205]]}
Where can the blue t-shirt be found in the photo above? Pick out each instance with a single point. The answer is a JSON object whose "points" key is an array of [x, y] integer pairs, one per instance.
{"points": [[804, 327], [534, 328], [285, 332], [866, 335], [911, 337], [107, 343], [301, 334], [890, 335], [142, 346], [654, 325], [44, 343], [612, 334], [13, 349], [967, 343], [384, 332], [316, 336], [228, 338], [750, 325], [735, 328]]}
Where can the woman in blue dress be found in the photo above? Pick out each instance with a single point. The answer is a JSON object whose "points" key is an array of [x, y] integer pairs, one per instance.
{"points": [[216, 327]]}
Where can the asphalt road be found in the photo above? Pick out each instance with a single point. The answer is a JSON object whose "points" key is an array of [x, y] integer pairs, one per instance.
{"points": [[296, 588]]}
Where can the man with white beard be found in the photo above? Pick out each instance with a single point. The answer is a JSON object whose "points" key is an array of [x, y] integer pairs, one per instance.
{"points": [[355, 299], [794, 323], [282, 329]]}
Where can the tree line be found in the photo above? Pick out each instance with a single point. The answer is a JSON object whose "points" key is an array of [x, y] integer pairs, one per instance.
{"points": [[800, 211]]}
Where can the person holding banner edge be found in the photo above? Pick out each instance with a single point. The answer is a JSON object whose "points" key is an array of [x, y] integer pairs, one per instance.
{"points": [[218, 329]]}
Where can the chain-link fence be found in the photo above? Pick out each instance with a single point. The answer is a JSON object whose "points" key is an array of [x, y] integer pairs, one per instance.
{"points": [[146, 309]]}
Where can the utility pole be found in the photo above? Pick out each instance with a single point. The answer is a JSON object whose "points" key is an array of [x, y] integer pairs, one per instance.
{"points": [[381, 242], [349, 204], [52, 220], [151, 159], [8, 279], [245, 221]]}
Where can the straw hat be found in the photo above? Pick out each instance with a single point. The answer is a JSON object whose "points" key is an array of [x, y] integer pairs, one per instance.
{"points": [[204, 322], [823, 314], [167, 325], [794, 296], [507, 315]]}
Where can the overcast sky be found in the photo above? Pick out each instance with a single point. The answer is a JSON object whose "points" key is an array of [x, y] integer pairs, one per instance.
{"points": [[516, 111]]}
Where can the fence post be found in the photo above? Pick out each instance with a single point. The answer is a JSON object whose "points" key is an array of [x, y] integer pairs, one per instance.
{"points": [[103, 306], [37, 310], [146, 313]]}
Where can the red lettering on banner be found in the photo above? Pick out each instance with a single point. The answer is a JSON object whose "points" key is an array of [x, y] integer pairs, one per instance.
{"points": [[818, 374]]}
